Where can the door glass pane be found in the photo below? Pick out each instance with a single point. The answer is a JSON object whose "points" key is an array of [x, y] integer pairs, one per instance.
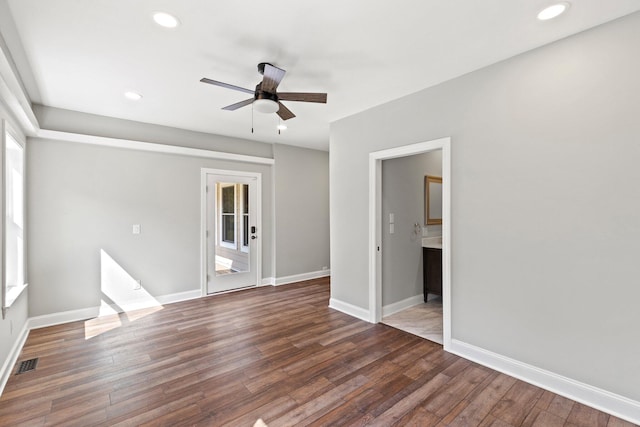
{"points": [[232, 239], [245, 216]]}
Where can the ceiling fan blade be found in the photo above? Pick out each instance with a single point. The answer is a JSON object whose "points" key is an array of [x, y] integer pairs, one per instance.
{"points": [[272, 78], [227, 85], [284, 112], [237, 105], [303, 97]]}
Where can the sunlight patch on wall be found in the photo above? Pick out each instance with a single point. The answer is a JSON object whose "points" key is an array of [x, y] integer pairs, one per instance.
{"points": [[123, 299]]}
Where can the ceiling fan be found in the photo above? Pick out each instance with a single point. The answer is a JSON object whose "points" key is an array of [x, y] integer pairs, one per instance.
{"points": [[265, 98]]}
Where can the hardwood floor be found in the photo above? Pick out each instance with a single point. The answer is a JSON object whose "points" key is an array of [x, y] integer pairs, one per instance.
{"points": [[273, 353]]}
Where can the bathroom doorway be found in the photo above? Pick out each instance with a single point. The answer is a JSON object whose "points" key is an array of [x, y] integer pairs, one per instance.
{"points": [[399, 234], [412, 244]]}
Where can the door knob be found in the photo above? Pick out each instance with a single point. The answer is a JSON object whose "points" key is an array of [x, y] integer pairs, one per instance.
{"points": [[254, 237]]}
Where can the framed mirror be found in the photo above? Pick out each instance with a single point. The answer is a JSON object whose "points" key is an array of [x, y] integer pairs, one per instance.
{"points": [[432, 200]]}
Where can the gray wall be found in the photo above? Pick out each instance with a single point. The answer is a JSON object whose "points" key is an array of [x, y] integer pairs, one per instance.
{"points": [[403, 195], [302, 210], [91, 124], [85, 198], [545, 202]]}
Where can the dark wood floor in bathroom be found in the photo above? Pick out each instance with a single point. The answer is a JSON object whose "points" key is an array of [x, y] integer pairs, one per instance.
{"points": [[275, 353]]}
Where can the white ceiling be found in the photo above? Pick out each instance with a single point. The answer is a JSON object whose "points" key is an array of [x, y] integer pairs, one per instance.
{"points": [[83, 55]]}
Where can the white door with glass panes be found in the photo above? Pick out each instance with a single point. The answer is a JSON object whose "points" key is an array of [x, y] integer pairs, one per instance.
{"points": [[232, 232]]}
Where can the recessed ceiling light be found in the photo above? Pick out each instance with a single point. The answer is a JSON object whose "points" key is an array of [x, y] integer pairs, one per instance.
{"points": [[553, 11], [165, 20], [134, 96]]}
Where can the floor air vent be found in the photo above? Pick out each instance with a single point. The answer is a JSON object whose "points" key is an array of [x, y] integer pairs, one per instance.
{"points": [[27, 365]]}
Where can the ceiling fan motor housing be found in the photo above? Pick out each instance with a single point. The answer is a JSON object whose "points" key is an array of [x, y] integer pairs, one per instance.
{"points": [[261, 94]]}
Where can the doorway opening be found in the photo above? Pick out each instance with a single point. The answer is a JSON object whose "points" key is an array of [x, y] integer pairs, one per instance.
{"points": [[230, 223], [383, 224]]}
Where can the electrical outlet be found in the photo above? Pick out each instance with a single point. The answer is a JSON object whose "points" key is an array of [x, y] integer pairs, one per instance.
{"points": [[138, 285]]}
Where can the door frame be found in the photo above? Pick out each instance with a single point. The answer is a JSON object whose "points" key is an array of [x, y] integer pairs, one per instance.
{"points": [[203, 223], [375, 226]]}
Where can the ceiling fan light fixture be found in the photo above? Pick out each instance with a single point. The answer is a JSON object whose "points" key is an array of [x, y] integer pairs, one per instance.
{"points": [[265, 106], [282, 126], [553, 11], [165, 19]]}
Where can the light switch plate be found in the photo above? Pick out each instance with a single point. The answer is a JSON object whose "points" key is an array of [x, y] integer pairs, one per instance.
{"points": [[136, 228], [392, 218], [392, 228]]}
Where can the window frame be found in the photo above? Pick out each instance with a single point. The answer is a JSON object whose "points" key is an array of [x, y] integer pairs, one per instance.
{"points": [[11, 294]]}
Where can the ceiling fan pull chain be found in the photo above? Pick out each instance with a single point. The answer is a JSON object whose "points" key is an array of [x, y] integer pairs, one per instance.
{"points": [[252, 118]]}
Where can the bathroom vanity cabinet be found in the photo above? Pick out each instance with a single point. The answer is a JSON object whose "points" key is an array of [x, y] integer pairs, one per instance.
{"points": [[432, 271]]}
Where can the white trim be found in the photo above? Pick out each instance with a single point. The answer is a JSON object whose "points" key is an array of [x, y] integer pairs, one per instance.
{"points": [[375, 239], [12, 358], [127, 306], [401, 305], [268, 281], [13, 294], [274, 237], [13, 95], [203, 234], [149, 146], [594, 397], [10, 296], [178, 297], [53, 319], [285, 280], [350, 309], [375, 225], [93, 312]]}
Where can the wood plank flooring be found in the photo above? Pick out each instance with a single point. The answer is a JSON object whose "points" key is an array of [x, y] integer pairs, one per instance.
{"points": [[273, 353]]}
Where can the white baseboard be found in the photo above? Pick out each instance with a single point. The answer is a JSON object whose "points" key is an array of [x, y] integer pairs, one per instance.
{"points": [[301, 277], [12, 358], [62, 317], [350, 309], [268, 281], [401, 305], [92, 312], [594, 397], [179, 296]]}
